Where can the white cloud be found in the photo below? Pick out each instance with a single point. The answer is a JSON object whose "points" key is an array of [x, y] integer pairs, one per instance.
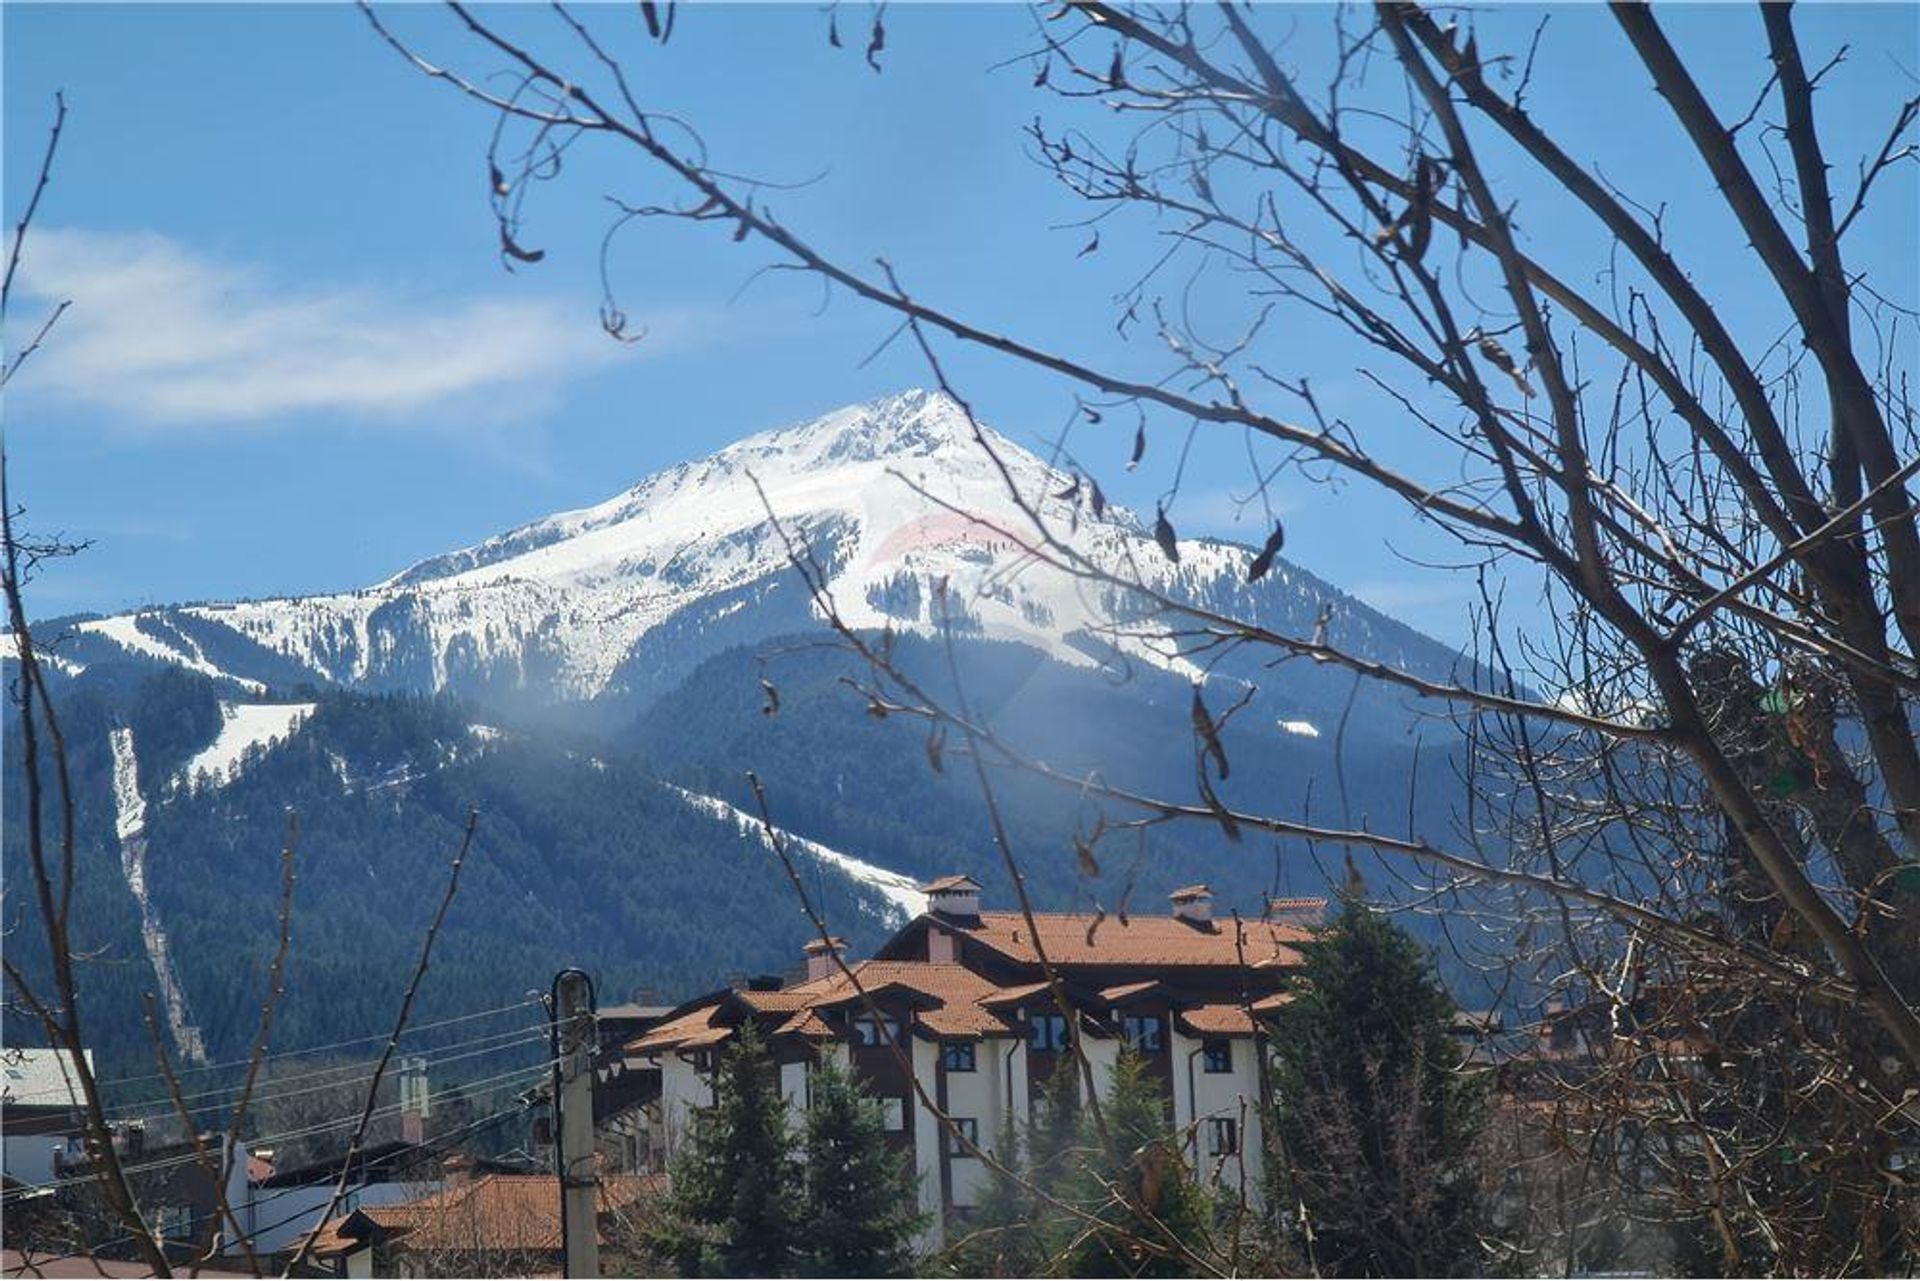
{"points": [[162, 336]]}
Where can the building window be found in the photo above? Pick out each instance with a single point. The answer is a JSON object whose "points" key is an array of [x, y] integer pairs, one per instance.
{"points": [[868, 1031], [958, 1057], [965, 1130], [1047, 1032], [1217, 1055], [895, 1113], [1223, 1136], [1142, 1032]]}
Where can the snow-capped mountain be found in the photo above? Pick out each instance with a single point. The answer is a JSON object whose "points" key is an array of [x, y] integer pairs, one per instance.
{"points": [[649, 620], [893, 499]]}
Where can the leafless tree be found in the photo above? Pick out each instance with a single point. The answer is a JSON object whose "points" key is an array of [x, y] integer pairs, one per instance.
{"points": [[1698, 781], [54, 1000]]}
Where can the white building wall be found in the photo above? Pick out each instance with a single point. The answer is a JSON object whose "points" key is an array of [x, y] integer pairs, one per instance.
{"points": [[976, 1094], [1199, 1094], [1103, 1056], [927, 1137], [1015, 1085], [682, 1089], [793, 1085]]}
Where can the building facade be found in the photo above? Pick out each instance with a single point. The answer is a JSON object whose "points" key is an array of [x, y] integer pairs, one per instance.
{"points": [[964, 1019]]}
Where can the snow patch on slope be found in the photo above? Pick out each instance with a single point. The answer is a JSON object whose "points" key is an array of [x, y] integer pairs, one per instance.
{"points": [[242, 726], [902, 892], [130, 824], [10, 652], [124, 631]]}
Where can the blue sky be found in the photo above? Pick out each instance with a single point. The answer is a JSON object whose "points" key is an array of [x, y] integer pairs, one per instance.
{"points": [[295, 364]]}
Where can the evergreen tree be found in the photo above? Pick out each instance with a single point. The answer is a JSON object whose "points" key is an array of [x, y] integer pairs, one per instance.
{"points": [[860, 1195], [1159, 1215], [1135, 1213], [1012, 1232], [735, 1206], [1377, 1127]]}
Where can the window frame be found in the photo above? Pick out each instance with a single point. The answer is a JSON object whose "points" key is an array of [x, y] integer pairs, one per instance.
{"points": [[869, 1034], [1143, 1033], [1223, 1136], [1047, 1033], [970, 1126], [1221, 1065], [960, 1056]]}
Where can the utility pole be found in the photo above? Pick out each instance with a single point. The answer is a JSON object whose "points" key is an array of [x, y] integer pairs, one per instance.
{"points": [[573, 1046]]}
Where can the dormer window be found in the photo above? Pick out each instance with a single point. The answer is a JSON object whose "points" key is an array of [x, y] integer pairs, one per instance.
{"points": [[867, 1030]]}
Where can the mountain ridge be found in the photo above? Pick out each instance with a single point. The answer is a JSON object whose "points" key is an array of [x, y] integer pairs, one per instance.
{"points": [[610, 600]]}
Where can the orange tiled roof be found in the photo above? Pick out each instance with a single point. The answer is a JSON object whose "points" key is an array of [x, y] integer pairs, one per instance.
{"points": [[1011, 996], [958, 990], [1298, 911], [1218, 1020], [695, 1026], [1071, 939], [951, 997], [495, 1213]]}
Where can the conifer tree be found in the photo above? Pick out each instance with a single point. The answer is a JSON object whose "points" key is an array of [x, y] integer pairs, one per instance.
{"points": [[1159, 1215], [1012, 1232], [735, 1206], [860, 1196], [1376, 1125]]}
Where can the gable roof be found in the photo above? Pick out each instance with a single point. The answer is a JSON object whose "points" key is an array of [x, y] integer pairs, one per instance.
{"points": [[955, 991], [497, 1213], [1077, 939], [1217, 1020], [951, 885], [949, 1000]]}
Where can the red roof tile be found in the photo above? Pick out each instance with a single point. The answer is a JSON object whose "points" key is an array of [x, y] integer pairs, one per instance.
{"points": [[1218, 1020], [493, 1213], [680, 1033], [1073, 939]]}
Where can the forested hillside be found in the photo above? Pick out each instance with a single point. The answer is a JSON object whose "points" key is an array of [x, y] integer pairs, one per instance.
{"points": [[580, 858]]}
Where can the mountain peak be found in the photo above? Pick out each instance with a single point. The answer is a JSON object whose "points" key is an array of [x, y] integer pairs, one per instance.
{"points": [[915, 423]]}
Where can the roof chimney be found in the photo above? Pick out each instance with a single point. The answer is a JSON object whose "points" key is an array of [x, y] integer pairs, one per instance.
{"points": [[1193, 903], [457, 1170], [824, 957], [953, 896]]}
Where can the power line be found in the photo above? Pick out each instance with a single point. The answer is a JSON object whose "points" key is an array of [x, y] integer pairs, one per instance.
{"points": [[391, 1109], [30, 1266], [317, 1049], [264, 1091], [532, 1074]]}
